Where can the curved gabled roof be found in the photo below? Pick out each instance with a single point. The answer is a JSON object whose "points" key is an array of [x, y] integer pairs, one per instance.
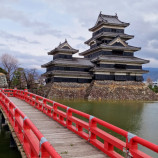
{"points": [[63, 47], [80, 62], [102, 69], [109, 34], [122, 59], [109, 47], [108, 20]]}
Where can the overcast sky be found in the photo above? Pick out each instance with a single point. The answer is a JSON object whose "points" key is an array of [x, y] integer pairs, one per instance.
{"points": [[31, 28]]}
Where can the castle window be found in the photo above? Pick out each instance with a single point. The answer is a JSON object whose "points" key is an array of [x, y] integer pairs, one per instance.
{"points": [[120, 66], [116, 52], [113, 30]]}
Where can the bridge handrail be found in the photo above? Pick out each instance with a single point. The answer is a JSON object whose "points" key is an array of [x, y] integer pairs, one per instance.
{"points": [[87, 127], [25, 129]]}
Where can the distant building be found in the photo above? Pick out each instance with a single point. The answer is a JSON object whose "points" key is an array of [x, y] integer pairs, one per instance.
{"points": [[155, 83], [108, 58], [3, 81]]}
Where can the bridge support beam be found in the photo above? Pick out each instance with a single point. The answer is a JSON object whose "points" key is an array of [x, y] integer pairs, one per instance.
{"points": [[2, 119], [12, 142], [4, 123]]}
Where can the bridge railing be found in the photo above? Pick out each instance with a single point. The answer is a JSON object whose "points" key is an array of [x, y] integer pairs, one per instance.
{"points": [[8, 92], [34, 143], [88, 127]]}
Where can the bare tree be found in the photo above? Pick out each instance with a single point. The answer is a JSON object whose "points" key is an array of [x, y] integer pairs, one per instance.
{"points": [[9, 63], [149, 81], [30, 76]]}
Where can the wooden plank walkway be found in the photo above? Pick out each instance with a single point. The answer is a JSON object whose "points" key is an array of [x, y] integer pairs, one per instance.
{"points": [[65, 142]]}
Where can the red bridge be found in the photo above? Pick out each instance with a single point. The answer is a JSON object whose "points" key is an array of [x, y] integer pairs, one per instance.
{"points": [[46, 128]]}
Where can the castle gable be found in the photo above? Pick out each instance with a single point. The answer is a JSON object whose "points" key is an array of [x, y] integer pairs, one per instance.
{"points": [[117, 42]]}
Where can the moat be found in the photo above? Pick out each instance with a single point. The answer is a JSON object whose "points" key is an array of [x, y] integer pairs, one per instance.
{"points": [[139, 118]]}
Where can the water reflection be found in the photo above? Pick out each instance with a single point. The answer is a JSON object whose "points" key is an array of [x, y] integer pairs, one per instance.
{"points": [[140, 118]]}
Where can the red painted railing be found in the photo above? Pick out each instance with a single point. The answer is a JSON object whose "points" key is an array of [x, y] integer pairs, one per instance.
{"points": [[87, 127], [33, 142]]}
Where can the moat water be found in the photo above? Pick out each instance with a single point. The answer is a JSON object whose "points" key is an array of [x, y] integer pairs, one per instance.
{"points": [[5, 150], [140, 118]]}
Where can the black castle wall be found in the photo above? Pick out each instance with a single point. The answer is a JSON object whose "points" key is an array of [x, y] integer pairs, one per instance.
{"points": [[108, 30], [96, 54], [120, 66], [67, 69], [60, 79], [63, 56], [118, 77]]}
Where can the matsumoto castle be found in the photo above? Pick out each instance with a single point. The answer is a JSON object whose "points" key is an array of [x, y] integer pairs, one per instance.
{"points": [[108, 58]]}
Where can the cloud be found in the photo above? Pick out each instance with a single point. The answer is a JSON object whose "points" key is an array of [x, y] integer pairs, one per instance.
{"points": [[57, 33], [153, 44], [8, 1], [153, 63], [18, 16], [2, 45], [9, 36], [81, 47], [81, 38], [51, 32], [48, 22], [26, 60]]}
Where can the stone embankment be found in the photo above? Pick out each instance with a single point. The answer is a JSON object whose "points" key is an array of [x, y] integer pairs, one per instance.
{"points": [[101, 90], [110, 90], [68, 90], [3, 81]]}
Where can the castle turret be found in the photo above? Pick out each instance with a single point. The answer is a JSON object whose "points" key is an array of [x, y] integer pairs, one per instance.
{"points": [[65, 68], [113, 57]]}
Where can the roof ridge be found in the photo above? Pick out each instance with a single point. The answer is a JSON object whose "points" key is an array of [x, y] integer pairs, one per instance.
{"points": [[63, 43], [109, 16], [80, 58], [119, 56]]}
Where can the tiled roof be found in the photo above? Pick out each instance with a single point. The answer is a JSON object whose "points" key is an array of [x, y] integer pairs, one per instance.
{"points": [[122, 59], [108, 20], [109, 34], [104, 46], [71, 62], [63, 47], [101, 69], [132, 48], [69, 73]]}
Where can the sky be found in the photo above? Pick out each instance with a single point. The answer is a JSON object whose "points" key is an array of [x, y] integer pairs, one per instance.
{"points": [[31, 28]]}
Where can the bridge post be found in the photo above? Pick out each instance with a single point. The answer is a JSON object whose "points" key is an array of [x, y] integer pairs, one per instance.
{"points": [[14, 92], [130, 145]]}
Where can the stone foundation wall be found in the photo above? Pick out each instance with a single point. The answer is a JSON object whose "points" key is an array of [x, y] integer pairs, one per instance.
{"points": [[129, 90], [3, 81], [101, 90], [67, 90]]}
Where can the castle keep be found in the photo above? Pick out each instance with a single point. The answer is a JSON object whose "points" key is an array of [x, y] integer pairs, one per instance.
{"points": [[109, 57]]}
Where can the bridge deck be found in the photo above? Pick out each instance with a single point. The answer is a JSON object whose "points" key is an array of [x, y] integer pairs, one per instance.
{"points": [[65, 142]]}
